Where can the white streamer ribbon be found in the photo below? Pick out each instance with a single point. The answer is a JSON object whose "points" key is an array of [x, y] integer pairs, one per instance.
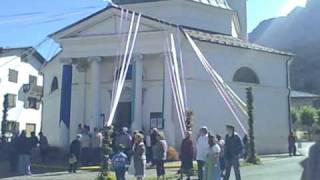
{"points": [[124, 66], [216, 79]]}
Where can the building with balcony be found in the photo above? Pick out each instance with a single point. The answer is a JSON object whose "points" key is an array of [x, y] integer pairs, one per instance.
{"points": [[21, 83]]}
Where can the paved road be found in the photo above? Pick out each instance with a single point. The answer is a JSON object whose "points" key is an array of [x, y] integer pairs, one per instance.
{"points": [[279, 169], [274, 168]]}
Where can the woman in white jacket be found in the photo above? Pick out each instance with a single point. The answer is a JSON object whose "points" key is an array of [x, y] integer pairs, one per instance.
{"points": [[202, 150]]}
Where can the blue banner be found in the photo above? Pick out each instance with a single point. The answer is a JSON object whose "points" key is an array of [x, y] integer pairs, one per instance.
{"points": [[65, 101]]}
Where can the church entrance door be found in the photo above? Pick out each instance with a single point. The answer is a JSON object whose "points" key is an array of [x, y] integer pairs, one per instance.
{"points": [[123, 116]]}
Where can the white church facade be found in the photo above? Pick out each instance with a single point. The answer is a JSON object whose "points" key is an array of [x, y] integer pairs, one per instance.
{"points": [[78, 82]]}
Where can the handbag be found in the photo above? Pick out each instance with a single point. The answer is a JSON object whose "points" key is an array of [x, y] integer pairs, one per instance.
{"points": [[72, 159]]}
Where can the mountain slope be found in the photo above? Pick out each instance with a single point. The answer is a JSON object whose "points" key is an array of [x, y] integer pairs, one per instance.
{"points": [[299, 33]]}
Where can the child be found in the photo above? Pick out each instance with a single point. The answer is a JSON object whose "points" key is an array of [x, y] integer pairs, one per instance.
{"points": [[119, 162]]}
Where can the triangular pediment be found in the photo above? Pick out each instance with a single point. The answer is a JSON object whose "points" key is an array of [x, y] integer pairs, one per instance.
{"points": [[106, 23]]}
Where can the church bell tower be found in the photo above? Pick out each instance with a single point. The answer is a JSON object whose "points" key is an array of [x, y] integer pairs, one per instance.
{"points": [[240, 6]]}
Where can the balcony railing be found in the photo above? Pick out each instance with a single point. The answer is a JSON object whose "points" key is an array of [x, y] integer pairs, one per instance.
{"points": [[33, 90]]}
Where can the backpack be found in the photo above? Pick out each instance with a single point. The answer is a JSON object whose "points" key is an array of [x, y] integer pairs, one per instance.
{"points": [[119, 161]]}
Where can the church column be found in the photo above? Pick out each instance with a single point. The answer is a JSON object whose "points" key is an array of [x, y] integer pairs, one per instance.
{"points": [[82, 67], [169, 125], [137, 83], [95, 87]]}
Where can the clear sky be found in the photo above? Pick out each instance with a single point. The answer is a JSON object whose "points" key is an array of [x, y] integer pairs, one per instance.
{"points": [[27, 22]]}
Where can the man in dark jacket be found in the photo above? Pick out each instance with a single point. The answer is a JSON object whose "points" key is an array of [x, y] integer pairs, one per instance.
{"points": [[34, 140], [74, 154], [24, 147], [187, 153], [311, 165], [43, 145], [232, 152]]}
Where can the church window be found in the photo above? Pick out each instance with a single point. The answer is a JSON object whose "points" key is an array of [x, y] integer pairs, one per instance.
{"points": [[129, 73], [54, 84], [246, 75]]}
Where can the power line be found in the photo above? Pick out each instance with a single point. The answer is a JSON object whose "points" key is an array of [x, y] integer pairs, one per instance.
{"points": [[28, 14], [45, 19], [26, 52]]}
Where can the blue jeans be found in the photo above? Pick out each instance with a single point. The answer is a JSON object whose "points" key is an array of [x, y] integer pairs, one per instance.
{"points": [[24, 164], [200, 169], [121, 173]]}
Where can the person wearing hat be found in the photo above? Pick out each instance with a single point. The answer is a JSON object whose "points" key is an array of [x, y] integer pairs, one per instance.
{"points": [[232, 152], [202, 148], [311, 165], [74, 154]]}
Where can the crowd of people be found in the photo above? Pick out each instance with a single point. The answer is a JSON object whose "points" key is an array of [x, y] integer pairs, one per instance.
{"points": [[215, 156], [22, 148]]}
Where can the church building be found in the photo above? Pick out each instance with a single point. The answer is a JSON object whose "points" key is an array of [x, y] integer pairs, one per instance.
{"points": [[78, 82]]}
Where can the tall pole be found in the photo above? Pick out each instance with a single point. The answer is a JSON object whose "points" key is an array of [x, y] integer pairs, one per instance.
{"points": [[4, 116], [252, 152]]}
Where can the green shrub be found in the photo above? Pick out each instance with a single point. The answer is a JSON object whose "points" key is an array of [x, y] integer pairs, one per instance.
{"points": [[307, 115]]}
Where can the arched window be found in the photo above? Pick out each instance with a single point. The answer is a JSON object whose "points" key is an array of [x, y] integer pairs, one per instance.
{"points": [[54, 84], [246, 75]]}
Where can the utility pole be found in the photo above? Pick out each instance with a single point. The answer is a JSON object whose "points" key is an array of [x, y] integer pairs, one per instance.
{"points": [[4, 116], [252, 152]]}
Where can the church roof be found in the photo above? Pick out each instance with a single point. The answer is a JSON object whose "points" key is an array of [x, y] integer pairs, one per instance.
{"points": [[300, 94], [199, 34], [228, 40], [216, 3]]}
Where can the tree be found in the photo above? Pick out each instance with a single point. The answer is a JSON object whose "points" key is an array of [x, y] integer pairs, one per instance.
{"points": [[189, 120], [307, 116], [294, 117], [252, 152], [107, 151], [318, 120], [4, 116]]}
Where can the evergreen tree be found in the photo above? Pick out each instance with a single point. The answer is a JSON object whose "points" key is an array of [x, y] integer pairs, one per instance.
{"points": [[252, 152], [107, 152]]}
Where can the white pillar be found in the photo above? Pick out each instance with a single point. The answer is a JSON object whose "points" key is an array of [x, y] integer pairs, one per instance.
{"points": [[82, 67], [95, 87], [169, 125], [137, 83]]}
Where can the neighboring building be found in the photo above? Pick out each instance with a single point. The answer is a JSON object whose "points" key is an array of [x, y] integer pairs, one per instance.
{"points": [[21, 81], [78, 82], [299, 99]]}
